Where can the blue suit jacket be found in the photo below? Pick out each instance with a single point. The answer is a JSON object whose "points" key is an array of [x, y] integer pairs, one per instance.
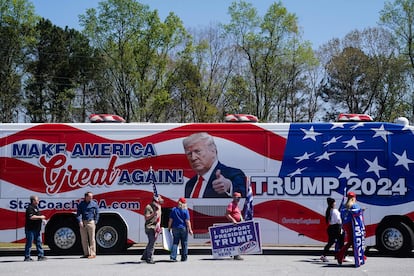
{"points": [[237, 177]]}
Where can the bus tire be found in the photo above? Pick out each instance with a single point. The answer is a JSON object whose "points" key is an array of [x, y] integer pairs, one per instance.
{"points": [[395, 238], [110, 235], [63, 236]]}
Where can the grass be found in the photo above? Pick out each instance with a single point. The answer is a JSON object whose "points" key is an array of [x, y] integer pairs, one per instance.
{"points": [[12, 245]]}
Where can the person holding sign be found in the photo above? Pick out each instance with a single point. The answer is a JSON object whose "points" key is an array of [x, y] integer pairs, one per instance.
{"points": [[180, 225], [234, 215]]}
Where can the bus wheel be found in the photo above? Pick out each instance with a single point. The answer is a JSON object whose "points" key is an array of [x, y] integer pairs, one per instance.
{"points": [[395, 238], [110, 236], [64, 237]]}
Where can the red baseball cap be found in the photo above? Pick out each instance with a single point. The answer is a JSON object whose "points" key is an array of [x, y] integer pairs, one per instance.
{"points": [[351, 194], [182, 200]]}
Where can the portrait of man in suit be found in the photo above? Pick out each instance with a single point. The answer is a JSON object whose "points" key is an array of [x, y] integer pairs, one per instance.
{"points": [[213, 179]]}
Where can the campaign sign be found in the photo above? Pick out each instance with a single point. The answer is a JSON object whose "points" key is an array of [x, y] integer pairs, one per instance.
{"points": [[359, 239], [235, 239], [167, 240]]}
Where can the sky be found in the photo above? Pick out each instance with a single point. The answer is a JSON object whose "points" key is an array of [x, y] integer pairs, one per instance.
{"points": [[319, 20]]}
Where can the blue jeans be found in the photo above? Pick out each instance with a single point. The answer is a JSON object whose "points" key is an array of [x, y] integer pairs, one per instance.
{"points": [[180, 235], [149, 249], [33, 236]]}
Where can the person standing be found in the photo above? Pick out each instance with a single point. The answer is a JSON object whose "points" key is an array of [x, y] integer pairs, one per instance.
{"points": [[180, 224], [233, 214], [33, 225], [349, 210], [334, 230], [88, 217], [152, 216]]}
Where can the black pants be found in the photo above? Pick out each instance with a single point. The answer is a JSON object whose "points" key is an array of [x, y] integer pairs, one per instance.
{"points": [[334, 235]]}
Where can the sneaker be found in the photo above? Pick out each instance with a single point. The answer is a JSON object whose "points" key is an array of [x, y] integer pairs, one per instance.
{"points": [[41, 258], [324, 259], [238, 258], [348, 260], [28, 259], [173, 260], [150, 261], [184, 259]]}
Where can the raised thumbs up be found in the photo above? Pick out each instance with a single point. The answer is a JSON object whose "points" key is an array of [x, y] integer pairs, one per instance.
{"points": [[221, 184]]}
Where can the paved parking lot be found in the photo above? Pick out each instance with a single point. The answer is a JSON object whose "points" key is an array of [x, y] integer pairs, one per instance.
{"points": [[285, 261]]}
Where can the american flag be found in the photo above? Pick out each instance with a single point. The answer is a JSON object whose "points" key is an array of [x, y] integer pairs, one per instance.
{"points": [[151, 177], [248, 203], [378, 155]]}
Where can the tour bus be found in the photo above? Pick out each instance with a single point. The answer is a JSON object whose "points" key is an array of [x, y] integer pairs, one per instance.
{"points": [[292, 168]]}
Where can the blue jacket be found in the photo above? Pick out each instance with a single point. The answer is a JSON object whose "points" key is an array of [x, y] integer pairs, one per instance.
{"points": [[88, 211]]}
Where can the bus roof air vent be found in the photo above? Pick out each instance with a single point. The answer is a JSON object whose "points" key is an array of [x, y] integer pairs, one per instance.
{"points": [[347, 117], [240, 118], [106, 118]]}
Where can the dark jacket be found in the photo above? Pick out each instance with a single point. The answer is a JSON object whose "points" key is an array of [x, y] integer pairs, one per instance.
{"points": [[237, 177], [33, 224]]}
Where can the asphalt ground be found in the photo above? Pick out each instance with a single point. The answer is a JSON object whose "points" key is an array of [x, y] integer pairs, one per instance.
{"points": [[18, 250], [294, 261]]}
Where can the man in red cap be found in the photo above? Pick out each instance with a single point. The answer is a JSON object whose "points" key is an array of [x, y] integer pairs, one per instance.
{"points": [[180, 225], [348, 210], [233, 214]]}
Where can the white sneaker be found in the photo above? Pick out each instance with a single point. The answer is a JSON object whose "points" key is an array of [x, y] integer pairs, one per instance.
{"points": [[347, 260], [324, 259]]}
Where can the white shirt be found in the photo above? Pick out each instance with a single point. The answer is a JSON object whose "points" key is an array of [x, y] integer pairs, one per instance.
{"points": [[335, 217]]}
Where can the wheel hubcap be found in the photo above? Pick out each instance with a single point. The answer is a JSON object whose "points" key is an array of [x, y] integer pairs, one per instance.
{"points": [[64, 238], [392, 239], [107, 237]]}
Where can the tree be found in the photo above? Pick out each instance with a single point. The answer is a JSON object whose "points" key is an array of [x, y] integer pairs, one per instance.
{"points": [[399, 17], [17, 22], [136, 47], [364, 74], [266, 44], [61, 62]]}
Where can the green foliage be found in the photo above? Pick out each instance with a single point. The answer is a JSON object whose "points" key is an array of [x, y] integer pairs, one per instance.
{"points": [[16, 32], [129, 61], [62, 62]]}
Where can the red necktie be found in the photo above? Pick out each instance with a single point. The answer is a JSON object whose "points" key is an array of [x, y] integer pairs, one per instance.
{"points": [[197, 187]]}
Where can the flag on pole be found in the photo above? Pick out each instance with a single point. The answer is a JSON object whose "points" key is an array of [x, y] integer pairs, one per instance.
{"points": [[339, 243], [151, 177], [248, 203]]}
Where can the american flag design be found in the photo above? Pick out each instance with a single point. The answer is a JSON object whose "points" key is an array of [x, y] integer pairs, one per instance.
{"points": [[248, 209], [292, 169]]}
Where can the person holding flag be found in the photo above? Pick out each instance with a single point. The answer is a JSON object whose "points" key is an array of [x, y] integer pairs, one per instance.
{"points": [[152, 216], [354, 228], [248, 203], [234, 215]]}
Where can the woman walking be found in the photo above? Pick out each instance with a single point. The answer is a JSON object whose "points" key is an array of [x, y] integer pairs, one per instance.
{"points": [[334, 230]]}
